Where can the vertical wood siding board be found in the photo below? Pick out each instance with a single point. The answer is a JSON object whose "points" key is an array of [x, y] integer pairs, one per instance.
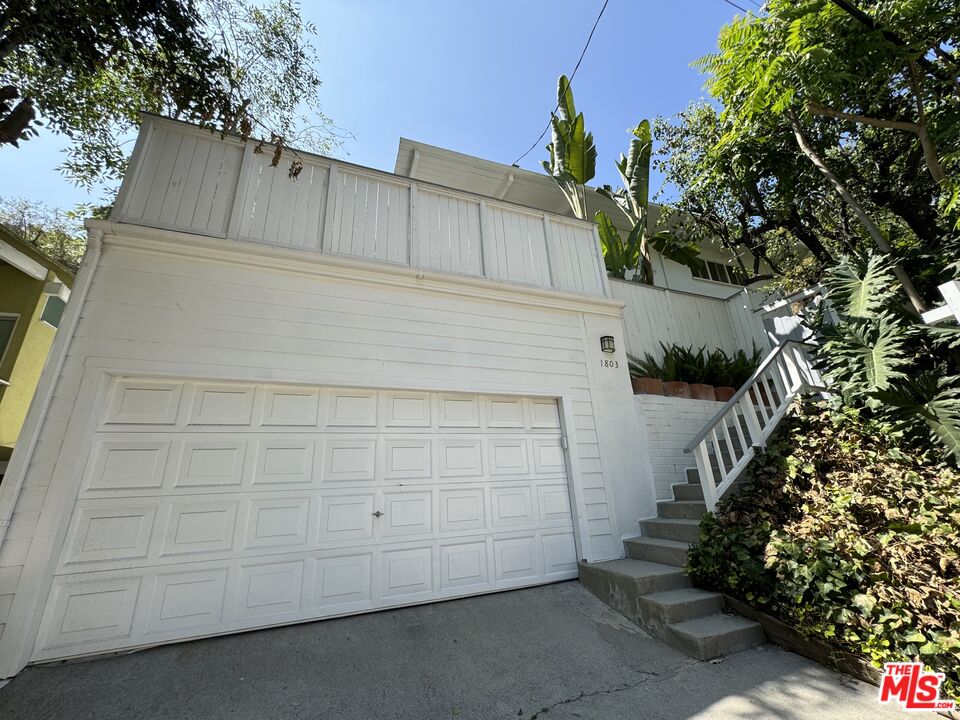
{"points": [[278, 206], [161, 178], [476, 242], [261, 200], [241, 205], [178, 179], [211, 180], [354, 215], [413, 231], [226, 191], [308, 180], [517, 246], [543, 260], [441, 237], [487, 255], [457, 237], [503, 257], [402, 231], [176, 195], [146, 177], [348, 183], [386, 234], [293, 197], [378, 214], [464, 242], [328, 219], [187, 208]]}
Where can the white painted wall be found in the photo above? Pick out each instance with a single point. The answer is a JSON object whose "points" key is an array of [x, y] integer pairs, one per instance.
{"points": [[168, 304], [671, 423]]}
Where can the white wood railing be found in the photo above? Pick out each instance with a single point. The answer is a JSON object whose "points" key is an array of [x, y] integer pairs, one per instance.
{"points": [[733, 435], [190, 180]]}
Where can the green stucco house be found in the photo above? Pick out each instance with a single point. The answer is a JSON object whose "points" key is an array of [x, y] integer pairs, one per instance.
{"points": [[33, 293]]}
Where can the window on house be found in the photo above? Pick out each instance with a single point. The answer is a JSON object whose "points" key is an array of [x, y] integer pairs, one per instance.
{"points": [[53, 311], [718, 272], [7, 324]]}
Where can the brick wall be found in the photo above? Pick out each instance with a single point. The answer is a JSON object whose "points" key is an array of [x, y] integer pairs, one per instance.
{"points": [[671, 423]]}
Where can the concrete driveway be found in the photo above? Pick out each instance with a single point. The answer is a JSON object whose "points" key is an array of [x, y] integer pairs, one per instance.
{"points": [[551, 652]]}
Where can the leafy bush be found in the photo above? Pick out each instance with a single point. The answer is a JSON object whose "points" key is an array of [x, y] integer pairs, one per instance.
{"points": [[847, 533], [684, 364], [884, 360]]}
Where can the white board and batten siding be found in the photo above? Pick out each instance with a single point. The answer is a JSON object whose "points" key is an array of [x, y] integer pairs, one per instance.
{"points": [[187, 179], [653, 315]]}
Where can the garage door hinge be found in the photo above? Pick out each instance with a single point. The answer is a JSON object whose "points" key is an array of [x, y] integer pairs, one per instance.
{"points": [[563, 442]]}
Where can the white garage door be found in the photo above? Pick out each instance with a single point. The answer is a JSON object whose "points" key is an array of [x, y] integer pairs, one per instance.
{"points": [[207, 508]]}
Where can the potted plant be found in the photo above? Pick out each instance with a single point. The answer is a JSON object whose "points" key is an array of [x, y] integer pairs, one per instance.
{"points": [[645, 375], [673, 384]]}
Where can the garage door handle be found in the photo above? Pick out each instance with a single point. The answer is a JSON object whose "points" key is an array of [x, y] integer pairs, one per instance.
{"points": [[377, 513]]}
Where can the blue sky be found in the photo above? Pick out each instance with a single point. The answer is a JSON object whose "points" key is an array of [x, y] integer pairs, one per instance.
{"points": [[478, 77]]}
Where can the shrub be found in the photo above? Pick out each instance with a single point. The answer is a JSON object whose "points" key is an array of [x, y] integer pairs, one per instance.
{"points": [[685, 364], [848, 534]]}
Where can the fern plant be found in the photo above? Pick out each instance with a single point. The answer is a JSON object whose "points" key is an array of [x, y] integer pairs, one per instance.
{"points": [[881, 359]]}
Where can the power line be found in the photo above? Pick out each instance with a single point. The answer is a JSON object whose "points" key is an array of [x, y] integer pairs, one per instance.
{"points": [[567, 88], [742, 9]]}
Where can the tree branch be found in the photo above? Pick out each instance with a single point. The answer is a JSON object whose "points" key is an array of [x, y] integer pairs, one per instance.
{"points": [[915, 299], [930, 154]]}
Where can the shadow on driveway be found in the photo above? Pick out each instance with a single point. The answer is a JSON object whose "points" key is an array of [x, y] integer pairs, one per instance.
{"points": [[545, 653]]}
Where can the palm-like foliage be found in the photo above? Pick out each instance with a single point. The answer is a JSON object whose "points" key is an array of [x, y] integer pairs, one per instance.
{"points": [[633, 199], [879, 358], [573, 155]]}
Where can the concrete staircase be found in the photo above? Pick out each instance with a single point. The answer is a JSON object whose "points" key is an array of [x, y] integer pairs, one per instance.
{"points": [[651, 588]]}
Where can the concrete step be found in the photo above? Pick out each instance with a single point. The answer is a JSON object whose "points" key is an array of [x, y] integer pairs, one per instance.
{"points": [[658, 550], [640, 576], [672, 529], [688, 491], [674, 606], [688, 509], [715, 635], [622, 583]]}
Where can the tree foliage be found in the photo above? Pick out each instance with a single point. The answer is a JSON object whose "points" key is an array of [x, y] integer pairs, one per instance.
{"points": [[859, 104], [56, 233], [87, 69]]}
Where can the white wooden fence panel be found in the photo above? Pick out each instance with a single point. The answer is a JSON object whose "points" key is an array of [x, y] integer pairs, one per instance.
{"points": [[183, 178], [371, 218], [281, 211], [516, 249], [184, 182], [447, 236], [574, 258], [747, 325], [653, 315]]}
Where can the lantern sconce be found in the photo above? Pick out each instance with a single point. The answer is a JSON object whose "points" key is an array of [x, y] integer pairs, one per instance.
{"points": [[606, 344]]}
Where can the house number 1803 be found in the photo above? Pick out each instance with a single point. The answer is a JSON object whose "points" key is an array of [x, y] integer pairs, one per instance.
{"points": [[609, 363]]}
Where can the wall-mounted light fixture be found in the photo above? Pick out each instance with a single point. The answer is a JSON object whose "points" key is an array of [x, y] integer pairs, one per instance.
{"points": [[606, 344]]}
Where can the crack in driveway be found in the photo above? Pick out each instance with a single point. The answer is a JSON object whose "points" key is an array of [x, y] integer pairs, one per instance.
{"points": [[603, 691]]}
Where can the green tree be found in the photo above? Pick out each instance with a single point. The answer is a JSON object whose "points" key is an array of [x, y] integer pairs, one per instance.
{"points": [[87, 69], [854, 88], [56, 233]]}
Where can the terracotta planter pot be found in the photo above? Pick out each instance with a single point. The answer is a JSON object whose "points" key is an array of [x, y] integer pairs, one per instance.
{"points": [[646, 386], [676, 389], [724, 392], [701, 391]]}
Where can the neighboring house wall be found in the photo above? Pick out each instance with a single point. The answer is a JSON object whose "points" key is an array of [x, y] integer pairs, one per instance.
{"points": [[21, 295], [671, 423]]}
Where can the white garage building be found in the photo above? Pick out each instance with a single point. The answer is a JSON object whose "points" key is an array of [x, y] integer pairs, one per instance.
{"points": [[275, 400]]}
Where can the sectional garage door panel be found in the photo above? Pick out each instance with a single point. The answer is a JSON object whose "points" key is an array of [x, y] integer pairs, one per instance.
{"points": [[207, 508]]}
